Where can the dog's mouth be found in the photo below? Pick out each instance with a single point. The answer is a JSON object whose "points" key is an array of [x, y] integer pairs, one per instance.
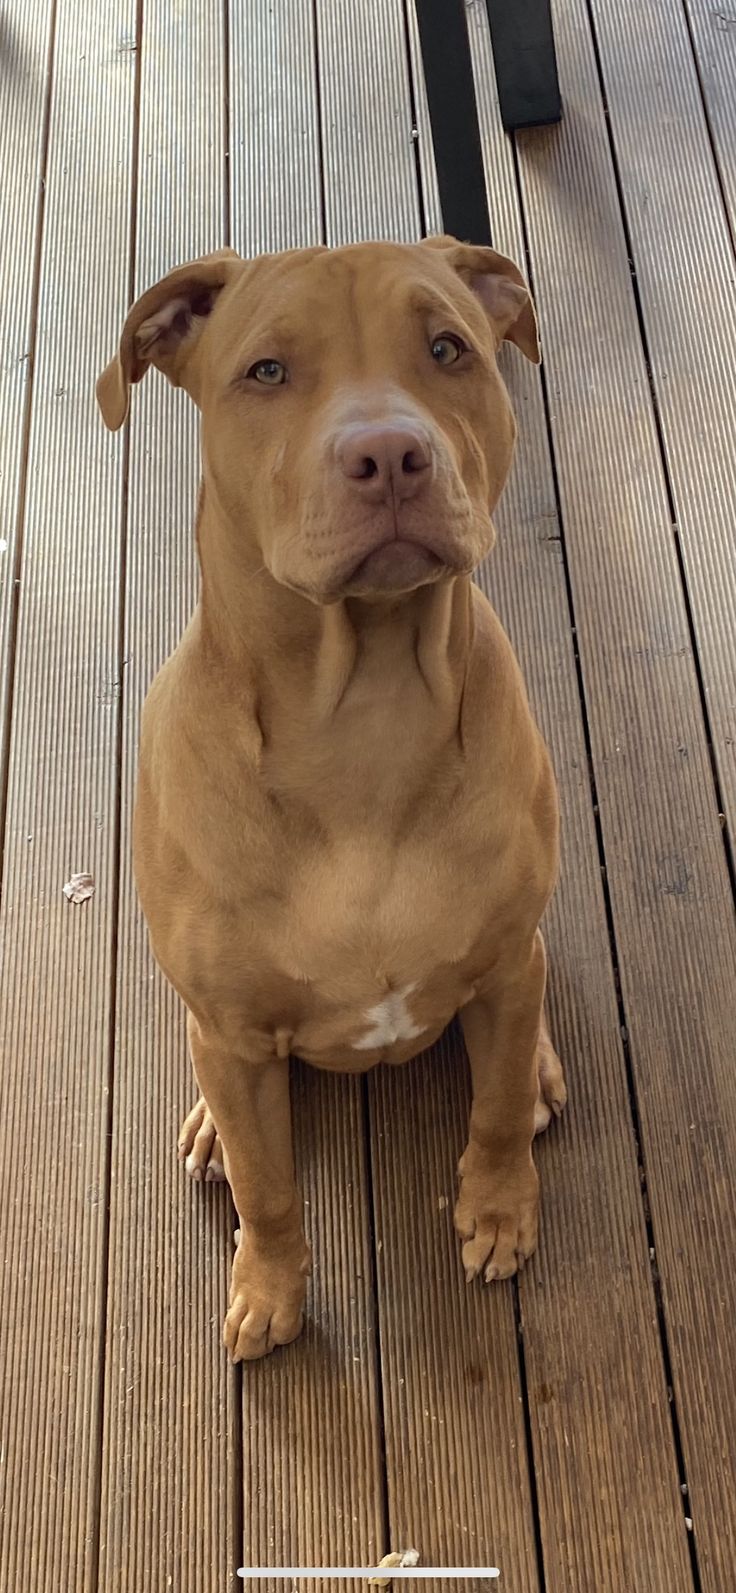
{"points": [[397, 565], [387, 560]]}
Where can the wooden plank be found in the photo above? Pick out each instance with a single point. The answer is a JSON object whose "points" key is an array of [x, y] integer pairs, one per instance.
{"points": [[311, 1439], [25, 45], [450, 1371], [276, 182], [669, 887], [367, 122], [426, 165], [170, 1508], [313, 1484], [684, 262], [62, 802], [713, 32], [451, 1387], [588, 1312]]}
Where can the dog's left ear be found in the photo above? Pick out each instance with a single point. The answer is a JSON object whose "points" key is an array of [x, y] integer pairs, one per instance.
{"points": [[163, 329], [502, 291]]}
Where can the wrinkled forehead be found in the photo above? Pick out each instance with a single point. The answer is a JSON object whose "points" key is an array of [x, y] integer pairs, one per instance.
{"points": [[355, 295]]}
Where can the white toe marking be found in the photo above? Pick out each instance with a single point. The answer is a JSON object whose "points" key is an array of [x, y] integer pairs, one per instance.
{"points": [[390, 1020]]}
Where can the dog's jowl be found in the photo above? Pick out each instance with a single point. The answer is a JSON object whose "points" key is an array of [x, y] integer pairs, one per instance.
{"points": [[346, 822]]}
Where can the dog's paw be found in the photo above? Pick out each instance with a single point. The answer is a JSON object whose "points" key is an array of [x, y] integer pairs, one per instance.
{"points": [[199, 1145], [496, 1216], [552, 1096], [266, 1298]]}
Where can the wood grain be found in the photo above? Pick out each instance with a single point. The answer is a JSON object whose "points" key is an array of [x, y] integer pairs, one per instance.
{"points": [[170, 1513], [275, 175], [368, 150], [311, 1417], [25, 64], [62, 796], [313, 1486], [669, 889], [683, 257], [713, 34], [457, 1470], [588, 1312]]}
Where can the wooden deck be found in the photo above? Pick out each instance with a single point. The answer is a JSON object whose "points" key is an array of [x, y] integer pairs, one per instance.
{"points": [[579, 1431]]}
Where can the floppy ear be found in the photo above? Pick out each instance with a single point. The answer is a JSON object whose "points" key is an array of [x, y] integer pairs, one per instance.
{"points": [[502, 291], [163, 329]]}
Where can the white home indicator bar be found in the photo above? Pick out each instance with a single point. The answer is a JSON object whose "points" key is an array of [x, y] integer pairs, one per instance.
{"points": [[361, 1573]]}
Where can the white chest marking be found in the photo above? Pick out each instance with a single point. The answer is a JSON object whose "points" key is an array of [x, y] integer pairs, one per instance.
{"points": [[390, 1020]]}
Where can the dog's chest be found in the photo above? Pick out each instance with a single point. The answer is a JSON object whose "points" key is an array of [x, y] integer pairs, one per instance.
{"points": [[356, 1031], [378, 953]]}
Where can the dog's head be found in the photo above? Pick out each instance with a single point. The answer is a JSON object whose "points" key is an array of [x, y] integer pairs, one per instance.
{"points": [[356, 430]]}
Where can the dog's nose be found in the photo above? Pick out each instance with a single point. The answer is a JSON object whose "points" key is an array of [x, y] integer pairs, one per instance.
{"points": [[385, 462]]}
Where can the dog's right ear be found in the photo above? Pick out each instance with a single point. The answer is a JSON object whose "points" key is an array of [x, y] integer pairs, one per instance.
{"points": [[163, 329], [500, 286]]}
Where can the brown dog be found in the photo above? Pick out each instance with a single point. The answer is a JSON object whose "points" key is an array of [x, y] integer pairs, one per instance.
{"points": [[346, 826]]}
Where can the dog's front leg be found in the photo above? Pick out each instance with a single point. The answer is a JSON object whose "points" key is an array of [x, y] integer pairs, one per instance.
{"points": [[249, 1102], [496, 1212]]}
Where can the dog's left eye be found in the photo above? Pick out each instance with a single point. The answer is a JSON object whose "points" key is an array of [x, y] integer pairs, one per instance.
{"points": [[447, 348], [270, 372]]}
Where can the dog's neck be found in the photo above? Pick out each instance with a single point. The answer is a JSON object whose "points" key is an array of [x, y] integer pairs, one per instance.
{"points": [[307, 663]]}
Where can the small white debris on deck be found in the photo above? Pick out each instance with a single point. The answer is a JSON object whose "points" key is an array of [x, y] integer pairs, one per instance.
{"points": [[79, 888], [396, 1560]]}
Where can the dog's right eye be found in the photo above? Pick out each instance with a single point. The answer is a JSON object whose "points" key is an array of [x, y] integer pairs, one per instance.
{"points": [[271, 373], [447, 348]]}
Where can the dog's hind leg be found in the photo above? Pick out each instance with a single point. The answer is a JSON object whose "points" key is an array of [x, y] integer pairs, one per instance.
{"points": [[199, 1145], [552, 1094]]}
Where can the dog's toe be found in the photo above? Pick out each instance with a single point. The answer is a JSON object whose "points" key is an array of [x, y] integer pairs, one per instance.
{"points": [[246, 1332], [266, 1300], [496, 1217], [254, 1333]]}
